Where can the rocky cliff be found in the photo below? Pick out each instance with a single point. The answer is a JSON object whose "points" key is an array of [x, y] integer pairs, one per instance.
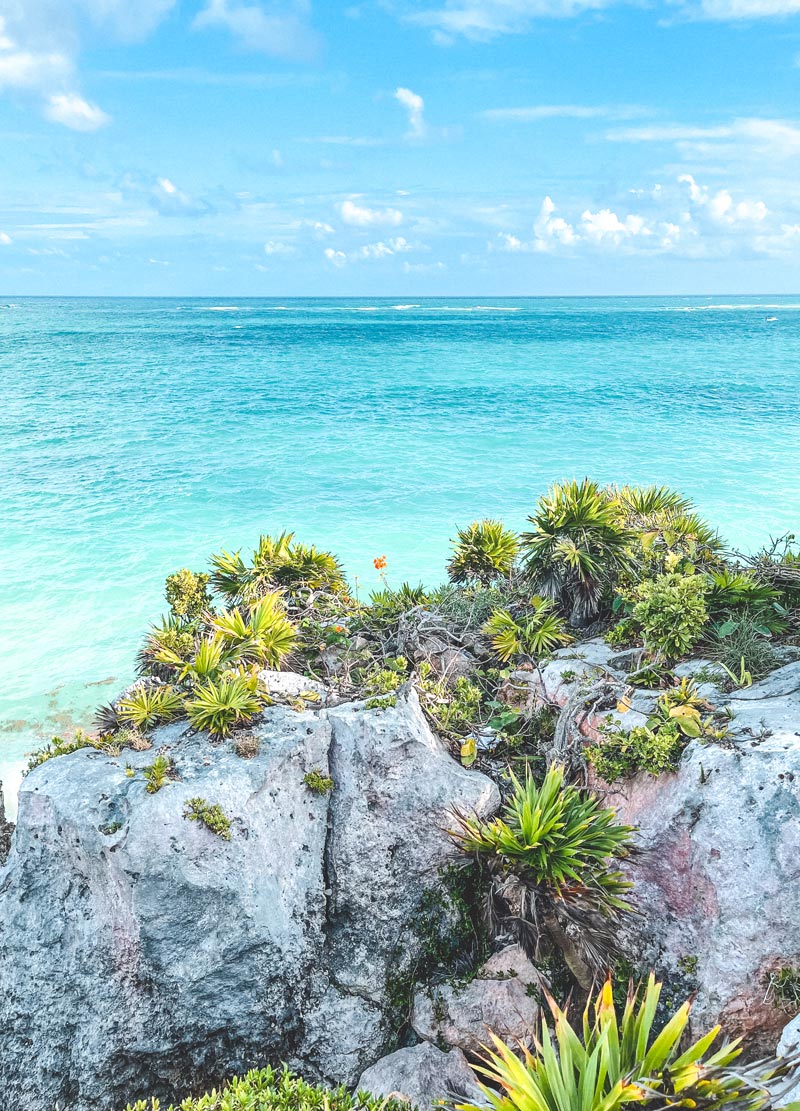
{"points": [[141, 952]]}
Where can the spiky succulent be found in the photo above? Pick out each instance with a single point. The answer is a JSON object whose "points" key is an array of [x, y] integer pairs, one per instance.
{"points": [[217, 706], [146, 707], [534, 633], [278, 563], [483, 552]]}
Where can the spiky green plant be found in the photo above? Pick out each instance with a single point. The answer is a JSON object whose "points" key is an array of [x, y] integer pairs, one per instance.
{"points": [[218, 705], [387, 606], [732, 594], [612, 1061], [146, 707], [667, 527], [168, 647], [157, 774], [482, 552], [278, 563], [265, 635], [559, 844], [577, 548], [536, 633]]}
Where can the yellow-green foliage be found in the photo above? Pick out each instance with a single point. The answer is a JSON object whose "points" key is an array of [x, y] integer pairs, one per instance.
{"points": [[609, 1062], [671, 612], [187, 593], [217, 706], [317, 782], [536, 632], [265, 634], [147, 707], [58, 746], [453, 707], [157, 774], [273, 1090], [623, 752], [278, 563], [482, 552], [211, 815]]}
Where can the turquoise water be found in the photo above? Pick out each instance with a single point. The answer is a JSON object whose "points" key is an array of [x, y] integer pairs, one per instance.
{"points": [[140, 435]]}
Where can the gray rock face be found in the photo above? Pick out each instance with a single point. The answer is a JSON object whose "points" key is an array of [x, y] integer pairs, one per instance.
{"points": [[421, 1075], [719, 876], [140, 952], [6, 829], [790, 1039], [496, 1001]]}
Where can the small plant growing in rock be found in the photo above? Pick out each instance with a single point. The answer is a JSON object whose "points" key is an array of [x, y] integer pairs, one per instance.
{"points": [[623, 752], [217, 707], [157, 774], [453, 707], [211, 815], [551, 855], [247, 746], [147, 707], [783, 987], [317, 782], [610, 1062], [58, 746], [381, 702], [482, 552], [536, 633]]}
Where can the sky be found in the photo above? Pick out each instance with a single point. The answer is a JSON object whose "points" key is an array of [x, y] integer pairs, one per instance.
{"points": [[399, 147]]}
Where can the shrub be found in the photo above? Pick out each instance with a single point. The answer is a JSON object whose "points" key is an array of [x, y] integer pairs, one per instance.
{"points": [[266, 635], [672, 613], [623, 752], [211, 815], [624, 634], [187, 593], [157, 774], [382, 702], [58, 746], [735, 596], [609, 1062], [317, 782], [560, 844], [577, 548], [669, 532], [168, 647], [216, 706], [278, 563], [482, 552], [386, 679], [535, 634], [470, 607], [387, 606], [147, 707], [274, 1090]]}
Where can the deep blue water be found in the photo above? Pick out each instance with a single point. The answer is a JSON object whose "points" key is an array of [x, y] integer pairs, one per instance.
{"points": [[137, 436]]}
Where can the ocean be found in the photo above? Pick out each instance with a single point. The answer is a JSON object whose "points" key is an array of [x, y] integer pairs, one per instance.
{"points": [[138, 436]]}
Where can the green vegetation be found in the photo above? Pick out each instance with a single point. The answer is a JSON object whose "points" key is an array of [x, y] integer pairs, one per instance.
{"points": [[211, 815], [187, 594], [278, 563], [535, 633], [611, 1061], [560, 845], [783, 987], [157, 774], [483, 552], [147, 707], [671, 612], [381, 702], [58, 746], [216, 707], [317, 782]]}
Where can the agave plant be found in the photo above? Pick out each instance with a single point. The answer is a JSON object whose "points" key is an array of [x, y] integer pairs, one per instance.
{"points": [[551, 855], [577, 548], [217, 706], [613, 1061], [278, 562], [147, 707], [266, 635], [482, 552]]}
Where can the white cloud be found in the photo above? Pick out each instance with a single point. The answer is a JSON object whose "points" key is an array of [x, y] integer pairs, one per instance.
{"points": [[560, 111], [163, 195], [485, 19], [279, 28], [75, 112], [5, 239], [338, 258], [362, 217], [383, 249], [763, 135], [415, 106], [551, 230], [732, 10], [276, 247]]}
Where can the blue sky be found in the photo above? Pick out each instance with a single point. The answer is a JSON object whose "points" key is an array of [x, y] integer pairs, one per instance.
{"points": [[302, 147]]}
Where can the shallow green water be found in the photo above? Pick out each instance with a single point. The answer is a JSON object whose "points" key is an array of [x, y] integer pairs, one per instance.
{"points": [[137, 436]]}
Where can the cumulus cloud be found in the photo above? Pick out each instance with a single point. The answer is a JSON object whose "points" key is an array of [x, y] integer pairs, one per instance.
{"points": [[415, 106], [383, 249], [684, 217], [5, 239], [362, 217], [280, 28]]}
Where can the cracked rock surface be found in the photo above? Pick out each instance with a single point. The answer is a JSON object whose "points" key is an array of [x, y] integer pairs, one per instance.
{"points": [[141, 953]]}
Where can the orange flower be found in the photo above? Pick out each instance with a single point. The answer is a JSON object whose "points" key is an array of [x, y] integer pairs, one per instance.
{"points": [[380, 562]]}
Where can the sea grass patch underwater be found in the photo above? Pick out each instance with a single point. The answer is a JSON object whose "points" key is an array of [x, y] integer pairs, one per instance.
{"points": [[358, 429]]}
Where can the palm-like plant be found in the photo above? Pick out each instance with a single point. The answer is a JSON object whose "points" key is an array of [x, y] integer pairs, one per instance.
{"points": [[610, 1062], [278, 562], [168, 647], [482, 552], [266, 635], [731, 592], [535, 634], [550, 855], [666, 524], [217, 706], [577, 548], [147, 707]]}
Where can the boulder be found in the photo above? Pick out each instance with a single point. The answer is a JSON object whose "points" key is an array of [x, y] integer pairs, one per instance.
{"points": [[790, 1039], [501, 999], [423, 1075], [717, 879], [140, 952]]}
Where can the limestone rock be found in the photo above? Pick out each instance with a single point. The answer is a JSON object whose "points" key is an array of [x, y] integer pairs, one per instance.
{"points": [[790, 1039], [421, 1075], [140, 953], [288, 685], [6, 829], [497, 1000]]}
